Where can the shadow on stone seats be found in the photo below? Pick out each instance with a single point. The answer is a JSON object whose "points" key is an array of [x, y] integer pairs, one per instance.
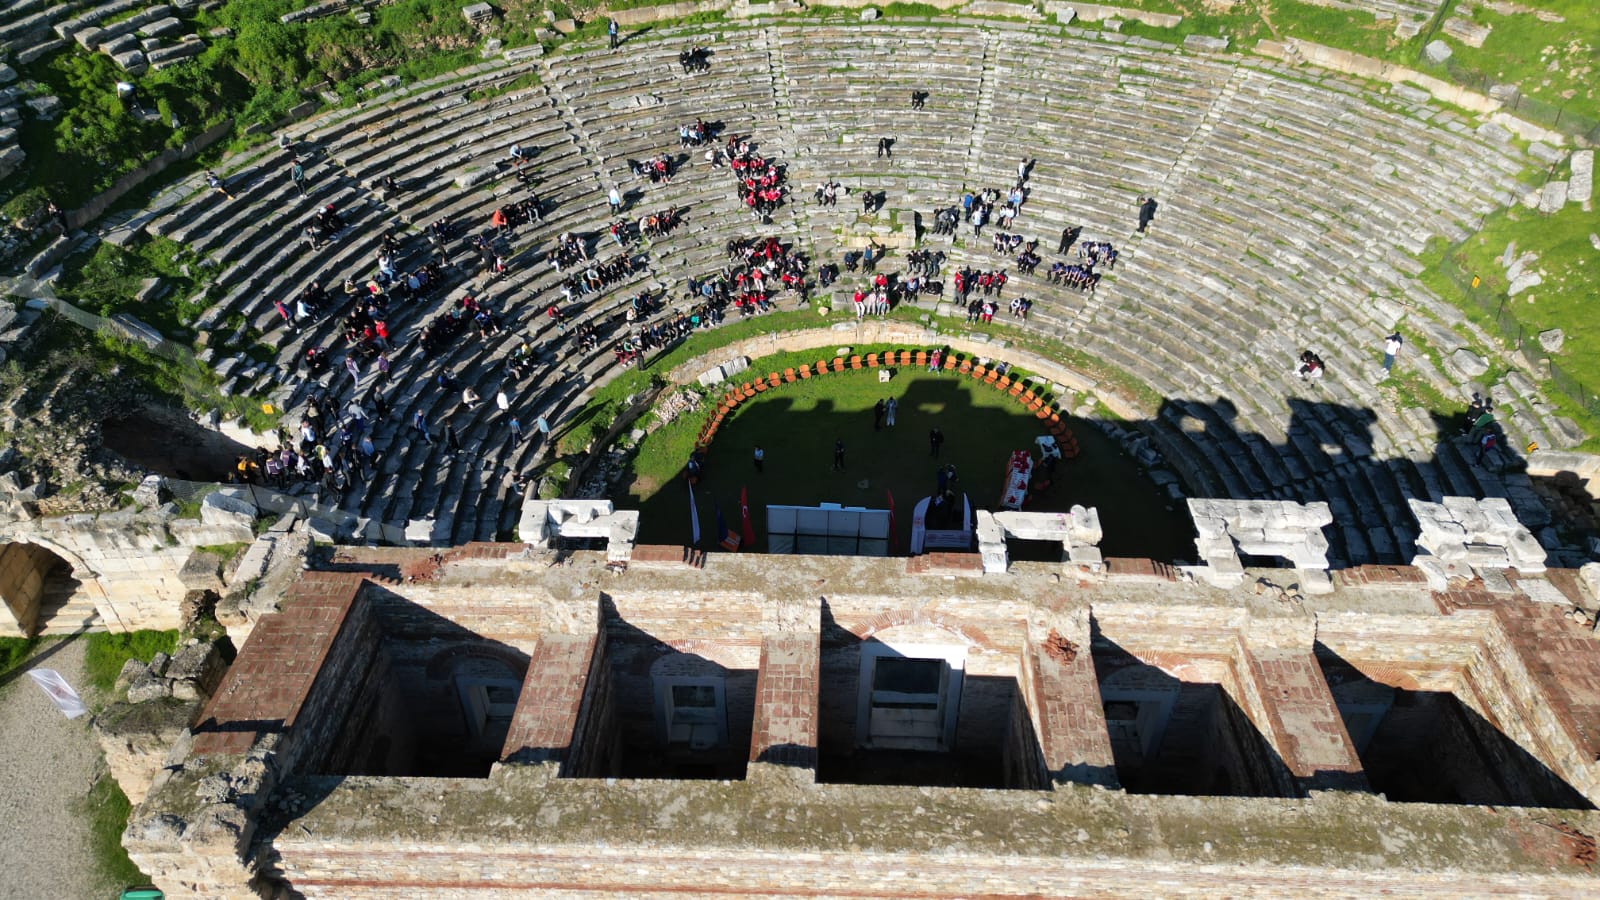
{"points": [[1172, 736], [1421, 746], [1328, 455]]}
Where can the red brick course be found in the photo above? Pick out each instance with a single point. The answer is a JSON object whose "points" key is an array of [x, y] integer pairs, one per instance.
{"points": [[785, 729], [552, 694], [269, 680]]}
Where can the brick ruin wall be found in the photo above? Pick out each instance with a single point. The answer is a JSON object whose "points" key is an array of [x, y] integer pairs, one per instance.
{"points": [[1254, 714]]}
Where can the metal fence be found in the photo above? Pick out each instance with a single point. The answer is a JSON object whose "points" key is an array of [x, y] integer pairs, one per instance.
{"points": [[1493, 300]]}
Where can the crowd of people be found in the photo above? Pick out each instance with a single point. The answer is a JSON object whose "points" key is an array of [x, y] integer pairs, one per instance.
{"points": [[759, 178]]}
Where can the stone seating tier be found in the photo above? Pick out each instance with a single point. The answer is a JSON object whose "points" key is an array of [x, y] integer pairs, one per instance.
{"points": [[1239, 157]]}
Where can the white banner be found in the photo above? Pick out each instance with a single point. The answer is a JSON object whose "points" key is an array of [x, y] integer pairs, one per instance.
{"points": [[61, 694]]}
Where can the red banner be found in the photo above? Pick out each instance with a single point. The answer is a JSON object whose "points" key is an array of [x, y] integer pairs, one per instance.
{"points": [[749, 530]]}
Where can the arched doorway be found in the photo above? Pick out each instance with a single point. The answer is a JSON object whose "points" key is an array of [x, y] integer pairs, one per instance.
{"points": [[41, 592]]}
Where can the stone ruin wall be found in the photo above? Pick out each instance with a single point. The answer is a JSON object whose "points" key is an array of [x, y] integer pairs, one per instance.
{"points": [[129, 564], [291, 792]]}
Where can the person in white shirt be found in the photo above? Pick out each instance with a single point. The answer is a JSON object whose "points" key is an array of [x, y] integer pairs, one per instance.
{"points": [[1391, 348]]}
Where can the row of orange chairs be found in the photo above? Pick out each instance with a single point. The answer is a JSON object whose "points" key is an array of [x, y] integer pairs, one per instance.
{"points": [[1049, 417]]}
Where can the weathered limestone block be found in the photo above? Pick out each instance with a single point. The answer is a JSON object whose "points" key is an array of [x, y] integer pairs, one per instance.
{"points": [[136, 739], [195, 671], [223, 508], [1589, 577], [1581, 187], [1086, 525], [991, 543], [149, 686], [202, 572], [148, 493]]}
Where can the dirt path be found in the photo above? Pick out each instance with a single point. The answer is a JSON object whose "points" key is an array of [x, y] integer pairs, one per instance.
{"points": [[47, 764]]}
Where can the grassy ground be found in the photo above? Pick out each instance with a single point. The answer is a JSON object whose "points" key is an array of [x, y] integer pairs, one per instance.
{"points": [[105, 653], [14, 651], [1553, 62], [106, 808], [107, 280], [1571, 272], [1247, 22], [797, 424]]}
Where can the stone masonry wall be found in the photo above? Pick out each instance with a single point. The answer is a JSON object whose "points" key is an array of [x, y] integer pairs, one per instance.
{"points": [[128, 562], [1244, 664]]}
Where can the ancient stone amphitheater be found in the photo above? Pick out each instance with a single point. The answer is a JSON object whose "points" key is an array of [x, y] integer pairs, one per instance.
{"points": [[1292, 203], [1416, 711]]}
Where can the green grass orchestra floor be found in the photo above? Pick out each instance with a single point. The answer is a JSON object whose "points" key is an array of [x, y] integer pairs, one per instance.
{"points": [[796, 425]]}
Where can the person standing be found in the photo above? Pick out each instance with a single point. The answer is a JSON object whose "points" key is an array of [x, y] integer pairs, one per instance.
{"points": [[935, 441], [889, 409], [1391, 348], [838, 455], [614, 197], [1069, 236], [419, 423], [297, 174], [516, 431], [1147, 212], [611, 32], [758, 457]]}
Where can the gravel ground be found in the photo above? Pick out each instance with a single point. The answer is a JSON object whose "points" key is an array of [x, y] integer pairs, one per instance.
{"points": [[47, 764]]}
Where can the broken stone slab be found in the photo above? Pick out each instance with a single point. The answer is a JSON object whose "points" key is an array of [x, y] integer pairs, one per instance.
{"points": [[47, 107], [1552, 340], [518, 54], [1436, 52], [1468, 363], [1553, 197], [1545, 153], [1506, 93], [253, 562], [161, 28], [1206, 43], [221, 508], [1466, 31], [870, 14], [1581, 187], [1523, 282], [474, 177], [1497, 133]]}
